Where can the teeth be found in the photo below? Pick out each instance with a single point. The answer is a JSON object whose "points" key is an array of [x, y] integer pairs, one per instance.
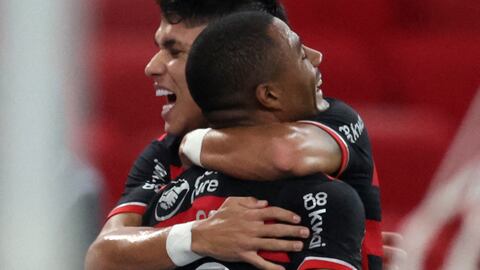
{"points": [[163, 92]]}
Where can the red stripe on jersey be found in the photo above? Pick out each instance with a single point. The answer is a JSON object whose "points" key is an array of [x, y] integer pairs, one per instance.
{"points": [[341, 143], [175, 171], [200, 209], [324, 263], [276, 256], [136, 208], [373, 238], [330, 177], [372, 243], [375, 181], [365, 265], [162, 137]]}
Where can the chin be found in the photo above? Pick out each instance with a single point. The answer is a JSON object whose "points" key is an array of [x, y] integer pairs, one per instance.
{"points": [[172, 129], [166, 128]]}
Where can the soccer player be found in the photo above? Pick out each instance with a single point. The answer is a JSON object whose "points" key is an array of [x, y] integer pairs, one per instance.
{"points": [[114, 248], [266, 78], [317, 150]]}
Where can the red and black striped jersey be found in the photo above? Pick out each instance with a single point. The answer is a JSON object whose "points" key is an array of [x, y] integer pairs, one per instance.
{"points": [[158, 164], [330, 208], [346, 126]]}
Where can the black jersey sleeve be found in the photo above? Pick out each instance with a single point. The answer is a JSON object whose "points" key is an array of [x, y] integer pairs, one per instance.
{"points": [[148, 174], [335, 215], [347, 128]]}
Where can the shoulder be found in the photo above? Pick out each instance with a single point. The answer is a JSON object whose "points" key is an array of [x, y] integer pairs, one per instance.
{"points": [[340, 107], [316, 194], [165, 147], [339, 119], [335, 215], [166, 141]]}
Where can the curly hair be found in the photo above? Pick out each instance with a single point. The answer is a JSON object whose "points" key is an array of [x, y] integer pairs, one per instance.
{"points": [[229, 59]]}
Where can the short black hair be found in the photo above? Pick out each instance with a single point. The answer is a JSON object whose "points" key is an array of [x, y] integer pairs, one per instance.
{"points": [[197, 12], [229, 59]]}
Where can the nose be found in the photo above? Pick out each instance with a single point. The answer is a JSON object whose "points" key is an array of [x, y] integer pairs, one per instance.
{"points": [[156, 66], [314, 56]]}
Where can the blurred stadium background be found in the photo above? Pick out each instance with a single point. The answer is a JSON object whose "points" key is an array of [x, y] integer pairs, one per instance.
{"points": [[76, 108]]}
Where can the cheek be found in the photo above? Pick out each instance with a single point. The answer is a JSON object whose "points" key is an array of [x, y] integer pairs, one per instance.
{"points": [[177, 71]]}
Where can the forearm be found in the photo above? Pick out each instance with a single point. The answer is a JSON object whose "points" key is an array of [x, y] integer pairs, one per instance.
{"points": [[122, 244], [241, 153], [234, 233], [270, 152], [139, 248]]}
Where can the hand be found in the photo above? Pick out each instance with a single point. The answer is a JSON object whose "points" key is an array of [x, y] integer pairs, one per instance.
{"points": [[391, 243], [238, 230]]}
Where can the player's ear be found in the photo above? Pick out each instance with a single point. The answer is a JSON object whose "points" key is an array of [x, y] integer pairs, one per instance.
{"points": [[269, 96]]}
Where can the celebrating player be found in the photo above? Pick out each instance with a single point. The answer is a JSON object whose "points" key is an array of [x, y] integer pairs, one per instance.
{"points": [[264, 66], [302, 149]]}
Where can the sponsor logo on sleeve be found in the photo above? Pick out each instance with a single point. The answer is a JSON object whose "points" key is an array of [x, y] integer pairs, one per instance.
{"points": [[353, 131], [158, 177]]}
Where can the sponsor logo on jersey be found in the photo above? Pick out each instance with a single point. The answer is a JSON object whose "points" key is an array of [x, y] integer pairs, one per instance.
{"points": [[158, 177], [205, 184], [171, 200], [353, 131], [315, 204]]}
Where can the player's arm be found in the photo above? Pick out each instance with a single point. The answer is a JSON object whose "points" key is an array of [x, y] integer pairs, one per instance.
{"points": [[234, 233], [139, 189], [265, 152], [122, 247]]}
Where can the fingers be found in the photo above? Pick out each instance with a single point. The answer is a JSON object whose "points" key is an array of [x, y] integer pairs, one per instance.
{"points": [[263, 212], [260, 263], [247, 202], [391, 238], [279, 214], [272, 244], [391, 242], [283, 230], [393, 252]]}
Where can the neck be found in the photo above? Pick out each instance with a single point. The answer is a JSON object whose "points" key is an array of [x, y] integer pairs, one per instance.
{"points": [[235, 118]]}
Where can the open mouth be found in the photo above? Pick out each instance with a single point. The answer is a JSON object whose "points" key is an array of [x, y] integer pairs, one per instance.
{"points": [[170, 96], [319, 84]]}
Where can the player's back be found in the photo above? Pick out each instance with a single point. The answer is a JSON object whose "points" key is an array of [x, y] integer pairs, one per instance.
{"points": [[330, 208]]}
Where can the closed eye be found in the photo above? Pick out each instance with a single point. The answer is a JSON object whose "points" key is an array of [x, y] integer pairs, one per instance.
{"points": [[174, 52]]}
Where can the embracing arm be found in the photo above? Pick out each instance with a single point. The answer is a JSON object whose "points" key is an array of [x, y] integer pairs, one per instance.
{"points": [[270, 152], [121, 245], [234, 233]]}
